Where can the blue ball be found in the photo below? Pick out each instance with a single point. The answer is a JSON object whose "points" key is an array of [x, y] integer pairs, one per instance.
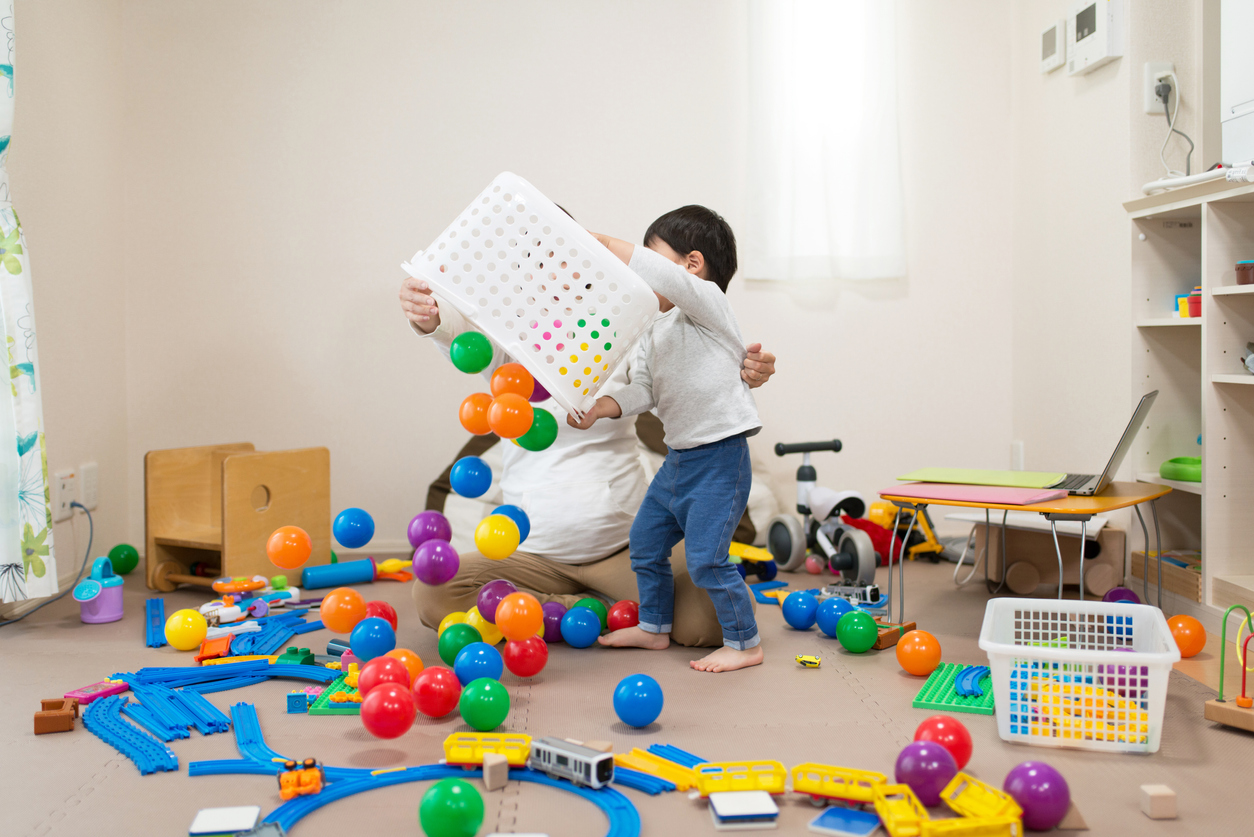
{"points": [[800, 610], [638, 700], [470, 476], [581, 627], [353, 528], [373, 637], [478, 659], [518, 516], [830, 612]]}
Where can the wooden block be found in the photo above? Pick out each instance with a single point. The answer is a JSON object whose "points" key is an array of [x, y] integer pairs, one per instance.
{"points": [[1229, 714], [56, 715], [1158, 802], [495, 771], [890, 633], [599, 746], [1073, 821]]}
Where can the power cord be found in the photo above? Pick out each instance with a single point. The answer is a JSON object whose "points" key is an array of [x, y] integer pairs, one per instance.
{"points": [[91, 531], [1163, 91]]}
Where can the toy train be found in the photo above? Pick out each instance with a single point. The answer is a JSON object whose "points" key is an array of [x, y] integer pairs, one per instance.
{"points": [[300, 779], [564, 760]]}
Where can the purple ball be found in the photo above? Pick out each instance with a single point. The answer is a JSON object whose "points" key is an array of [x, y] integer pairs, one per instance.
{"points": [[490, 596], [429, 525], [435, 562], [553, 613], [1041, 792], [539, 394], [1121, 594], [926, 767]]}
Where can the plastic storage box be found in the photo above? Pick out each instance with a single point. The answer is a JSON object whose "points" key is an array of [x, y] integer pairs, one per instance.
{"points": [[1091, 675]]}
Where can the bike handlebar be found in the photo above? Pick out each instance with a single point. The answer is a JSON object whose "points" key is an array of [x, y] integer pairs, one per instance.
{"points": [[807, 447]]}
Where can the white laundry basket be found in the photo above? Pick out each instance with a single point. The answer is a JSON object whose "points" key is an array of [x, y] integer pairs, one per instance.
{"points": [[1060, 678], [541, 286]]}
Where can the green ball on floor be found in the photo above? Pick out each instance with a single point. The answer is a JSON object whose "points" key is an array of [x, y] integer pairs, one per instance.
{"points": [[484, 704], [454, 639], [124, 558], [857, 631], [597, 607], [451, 808]]}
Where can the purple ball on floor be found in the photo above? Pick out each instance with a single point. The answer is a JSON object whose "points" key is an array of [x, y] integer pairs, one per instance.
{"points": [[926, 767], [553, 613], [436, 562], [429, 525], [1121, 594], [1041, 792], [490, 596], [539, 393]]}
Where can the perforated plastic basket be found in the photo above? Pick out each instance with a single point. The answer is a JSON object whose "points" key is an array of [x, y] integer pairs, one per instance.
{"points": [[1091, 675], [541, 286]]}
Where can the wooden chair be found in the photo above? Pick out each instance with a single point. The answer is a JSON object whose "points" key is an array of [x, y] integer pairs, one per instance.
{"points": [[208, 511]]}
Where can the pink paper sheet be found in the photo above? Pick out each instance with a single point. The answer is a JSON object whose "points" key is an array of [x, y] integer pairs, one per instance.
{"points": [[995, 494]]}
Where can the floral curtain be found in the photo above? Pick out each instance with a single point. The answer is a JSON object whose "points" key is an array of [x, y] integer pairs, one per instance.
{"points": [[28, 568]]}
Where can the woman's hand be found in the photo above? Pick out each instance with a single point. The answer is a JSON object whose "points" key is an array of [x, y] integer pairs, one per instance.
{"points": [[758, 366], [419, 306]]}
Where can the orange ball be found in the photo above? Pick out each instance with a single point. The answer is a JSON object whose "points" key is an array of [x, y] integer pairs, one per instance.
{"points": [[474, 413], [519, 616], [342, 609], [289, 547], [1189, 634], [918, 653], [512, 377], [411, 660], [510, 415]]}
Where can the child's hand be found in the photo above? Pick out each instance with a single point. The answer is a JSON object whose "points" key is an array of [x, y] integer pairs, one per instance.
{"points": [[589, 419], [419, 306], [605, 407]]}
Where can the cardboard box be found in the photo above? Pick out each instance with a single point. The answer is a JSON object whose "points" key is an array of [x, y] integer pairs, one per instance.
{"points": [[1033, 561]]}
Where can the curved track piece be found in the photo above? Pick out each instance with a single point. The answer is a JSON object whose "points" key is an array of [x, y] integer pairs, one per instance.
{"points": [[673, 753], [103, 719], [248, 738], [222, 767], [643, 782], [967, 683]]}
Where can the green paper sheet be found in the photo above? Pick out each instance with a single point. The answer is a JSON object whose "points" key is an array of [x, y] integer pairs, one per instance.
{"points": [[976, 476]]}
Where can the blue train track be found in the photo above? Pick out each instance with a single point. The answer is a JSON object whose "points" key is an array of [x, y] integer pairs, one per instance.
{"points": [[967, 683], [154, 632], [103, 719]]}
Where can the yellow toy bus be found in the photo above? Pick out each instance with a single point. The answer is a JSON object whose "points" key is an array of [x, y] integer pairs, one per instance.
{"points": [[467, 748], [826, 781], [715, 777], [900, 810]]}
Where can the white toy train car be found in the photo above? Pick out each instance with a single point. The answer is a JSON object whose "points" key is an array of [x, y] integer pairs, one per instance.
{"points": [[564, 760]]}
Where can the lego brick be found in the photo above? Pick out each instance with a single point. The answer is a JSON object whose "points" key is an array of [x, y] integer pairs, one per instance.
{"points": [[938, 693], [495, 771], [299, 656], [1158, 802], [56, 715], [297, 703], [325, 705]]}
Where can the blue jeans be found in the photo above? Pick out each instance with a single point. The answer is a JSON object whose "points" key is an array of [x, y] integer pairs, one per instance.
{"points": [[698, 497]]}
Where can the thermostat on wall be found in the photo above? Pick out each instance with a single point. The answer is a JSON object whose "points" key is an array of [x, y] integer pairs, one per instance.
{"points": [[1094, 35], [1054, 46]]}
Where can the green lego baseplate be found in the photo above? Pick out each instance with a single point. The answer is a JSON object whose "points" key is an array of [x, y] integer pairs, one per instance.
{"points": [[325, 706], [938, 692]]}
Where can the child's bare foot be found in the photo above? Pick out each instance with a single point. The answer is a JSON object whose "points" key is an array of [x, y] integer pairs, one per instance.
{"points": [[729, 659], [636, 638]]}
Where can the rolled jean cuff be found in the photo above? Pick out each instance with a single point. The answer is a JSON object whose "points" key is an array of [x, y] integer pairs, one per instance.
{"points": [[651, 628], [743, 645]]}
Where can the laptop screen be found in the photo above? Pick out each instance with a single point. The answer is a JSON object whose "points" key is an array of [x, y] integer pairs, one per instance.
{"points": [[1125, 443]]}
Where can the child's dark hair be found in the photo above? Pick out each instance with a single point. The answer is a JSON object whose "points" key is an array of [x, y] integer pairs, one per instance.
{"points": [[695, 227]]}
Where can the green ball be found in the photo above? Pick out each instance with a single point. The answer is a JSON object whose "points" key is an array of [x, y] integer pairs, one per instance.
{"points": [[597, 607], [471, 352], [542, 433], [455, 638], [484, 703], [451, 808], [124, 558], [857, 631]]}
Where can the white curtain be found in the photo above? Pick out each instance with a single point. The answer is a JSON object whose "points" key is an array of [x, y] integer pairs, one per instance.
{"points": [[825, 198]]}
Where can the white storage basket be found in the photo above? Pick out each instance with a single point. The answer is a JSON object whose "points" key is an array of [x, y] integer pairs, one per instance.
{"points": [[537, 283], [1060, 678]]}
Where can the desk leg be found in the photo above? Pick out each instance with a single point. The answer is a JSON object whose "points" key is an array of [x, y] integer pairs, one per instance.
{"points": [[988, 537], [1158, 543], [917, 508], [1053, 526], [1083, 535], [896, 529]]}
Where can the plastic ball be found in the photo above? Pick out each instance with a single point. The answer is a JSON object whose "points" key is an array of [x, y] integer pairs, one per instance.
{"points": [[436, 691], [1041, 792], [451, 808], [857, 631], [388, 711], [382, 670], [473, 413], [950, 734], [624, 614], [470, 476], [411, 661], [813, 565], [436, 562], [353, 528], [638, 700], [124, 558], [519, 517], [457, 617], [513, 378], [830, 611], [470, 352], [484, 704], [342, 609], [427, 526], [384, 611], [542, 433], [598, 607], [496, 537], [527, 657], [918, 652], [186, 629], [289, 547], [553, 613], [539, 393], [454, 639], [926, 767], [519, 616], [1121, 594], [491, 635], [510, 415], [478, 659], [1189, 634], [372, 637], [580, 627], [800, 610], [490, 596]]}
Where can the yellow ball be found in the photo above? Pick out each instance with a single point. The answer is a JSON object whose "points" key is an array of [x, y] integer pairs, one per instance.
{"points": [[186, 629], [496, 537], [455, 618], [485, 628]]}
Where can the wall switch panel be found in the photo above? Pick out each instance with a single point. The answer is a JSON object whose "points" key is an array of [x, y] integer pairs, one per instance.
{"points": [[64, 492]]}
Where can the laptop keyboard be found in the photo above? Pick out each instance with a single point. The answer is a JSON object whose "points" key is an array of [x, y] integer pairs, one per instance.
{"points": [[1073, 481]]}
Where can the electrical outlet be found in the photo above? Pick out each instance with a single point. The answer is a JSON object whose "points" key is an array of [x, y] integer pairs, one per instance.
{"points": [[1016, 456], [64, 492], [1155, 70], [91, 491]]}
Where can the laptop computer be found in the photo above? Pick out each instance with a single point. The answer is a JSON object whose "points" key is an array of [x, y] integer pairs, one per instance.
{"points": [[1089, 484]]}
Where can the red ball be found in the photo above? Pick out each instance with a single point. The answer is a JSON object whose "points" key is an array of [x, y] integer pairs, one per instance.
{"points": [[382, 670], [383, 610], [526, 657], [625, 614], [436, 691], [950, 734], [388, 711]]}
